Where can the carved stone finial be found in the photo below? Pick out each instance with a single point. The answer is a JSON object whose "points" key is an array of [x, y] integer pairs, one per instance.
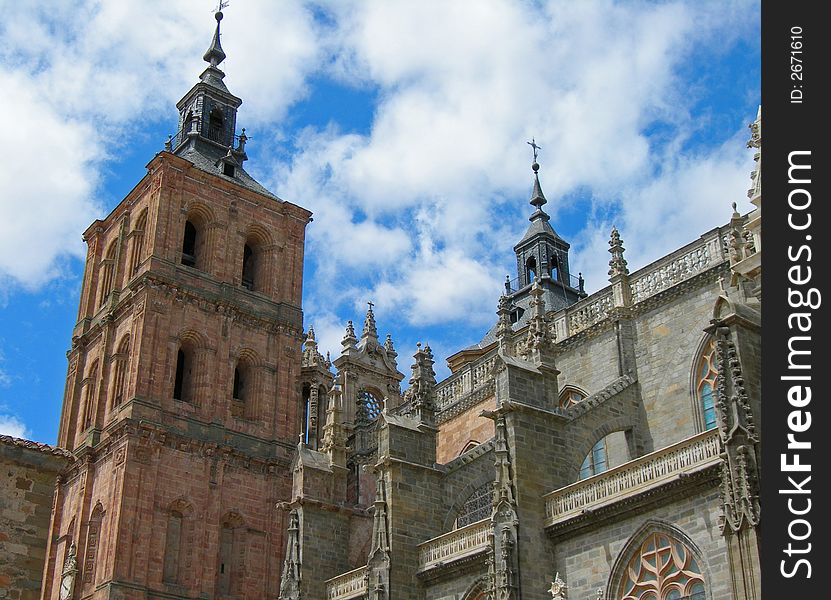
{"points": [[617, 264], [349, 339], [558, 588], [370, 330]]}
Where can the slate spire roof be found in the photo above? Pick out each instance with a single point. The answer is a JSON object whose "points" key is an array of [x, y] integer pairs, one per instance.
{"points": [[539, 219]]}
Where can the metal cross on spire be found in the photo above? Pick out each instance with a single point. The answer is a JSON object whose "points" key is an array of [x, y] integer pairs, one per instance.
{"points": [[533, 145]]}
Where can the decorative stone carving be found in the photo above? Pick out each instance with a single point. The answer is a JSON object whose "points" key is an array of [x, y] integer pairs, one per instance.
{"points": [[290, 581], [740, 471], [617, 265], [558, 588]]}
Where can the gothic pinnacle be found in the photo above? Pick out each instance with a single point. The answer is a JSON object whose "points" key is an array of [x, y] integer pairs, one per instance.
{"points": [[349, 339], [617, 264], [370, 330]]}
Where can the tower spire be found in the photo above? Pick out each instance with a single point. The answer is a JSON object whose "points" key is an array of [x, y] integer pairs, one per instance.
{"points": [[537, 197], [214, 54]]}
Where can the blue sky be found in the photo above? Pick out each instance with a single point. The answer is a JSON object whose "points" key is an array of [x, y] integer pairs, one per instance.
{"points": [[400, 124]]}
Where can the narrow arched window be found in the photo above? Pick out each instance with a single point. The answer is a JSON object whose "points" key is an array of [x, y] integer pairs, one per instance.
{"points": [[307, 411], [596, 461], [231, 546], [137, 252], [664, 568], [248, 267], [183, 379], [120, 372], [706, 382], [90, 385], [239, 391], [189, 245], [531, 269], [216, 125], [92, 546], [108, 273], [554, 269], [173, 547]]}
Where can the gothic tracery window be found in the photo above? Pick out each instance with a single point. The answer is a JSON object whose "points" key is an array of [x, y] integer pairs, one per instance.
{"points": [[662, 568], [371, 404], [706, 381], [476, 507], [571, 396]]}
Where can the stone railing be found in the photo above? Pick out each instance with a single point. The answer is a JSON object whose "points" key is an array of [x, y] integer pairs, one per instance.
{"points": [[633, 477], [587, 312], [705, 253], [351, 584], [454, 545], [470, 378]]}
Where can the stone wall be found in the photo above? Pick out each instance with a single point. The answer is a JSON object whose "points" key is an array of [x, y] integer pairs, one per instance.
{"points": [[454, 434], [28, 472]]}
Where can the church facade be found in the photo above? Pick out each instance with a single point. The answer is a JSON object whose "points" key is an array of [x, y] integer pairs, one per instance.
{"points": [[601, 446]]}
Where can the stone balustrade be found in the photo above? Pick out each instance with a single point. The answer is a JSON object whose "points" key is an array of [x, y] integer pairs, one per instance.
{"points": [[691, 260], [351, 584], [632, 478], [470, 378], [460, 543]]}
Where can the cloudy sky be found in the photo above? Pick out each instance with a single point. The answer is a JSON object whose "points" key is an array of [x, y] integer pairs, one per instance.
{"points": [[401, 124]]}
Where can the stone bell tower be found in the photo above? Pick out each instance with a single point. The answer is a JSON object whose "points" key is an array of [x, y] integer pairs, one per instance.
{"points": [[181, 401]]}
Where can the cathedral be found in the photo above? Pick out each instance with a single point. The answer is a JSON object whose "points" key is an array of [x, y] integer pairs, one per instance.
{"points": [[600, 446]]}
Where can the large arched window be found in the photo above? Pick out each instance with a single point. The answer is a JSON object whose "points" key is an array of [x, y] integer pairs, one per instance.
{"points": [[662, 568], [596, 461], [477, 507], [706, 381]]}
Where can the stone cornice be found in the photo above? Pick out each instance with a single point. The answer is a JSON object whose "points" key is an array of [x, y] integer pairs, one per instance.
{"points": [[150, 436]]}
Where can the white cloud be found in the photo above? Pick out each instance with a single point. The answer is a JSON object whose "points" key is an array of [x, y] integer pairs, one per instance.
{"points": [[422, 210], [692, 194], [462, 86], [10, 425]]}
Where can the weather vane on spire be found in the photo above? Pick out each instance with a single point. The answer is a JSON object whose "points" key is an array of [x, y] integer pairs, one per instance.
{"points": [[533, 145], [220, 5]]}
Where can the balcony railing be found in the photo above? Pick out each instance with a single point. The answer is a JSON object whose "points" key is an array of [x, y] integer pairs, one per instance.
{"points": [[351, 584], [470, 378], [633, 477], [460, 543]]}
